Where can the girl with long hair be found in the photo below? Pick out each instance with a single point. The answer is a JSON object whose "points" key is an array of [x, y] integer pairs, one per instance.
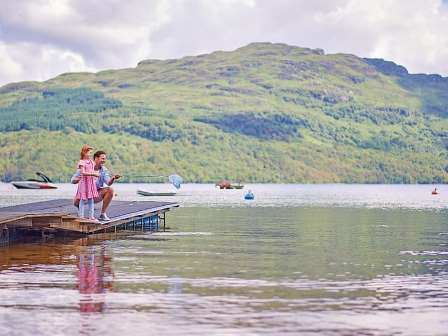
{"points": [[87, 191]]}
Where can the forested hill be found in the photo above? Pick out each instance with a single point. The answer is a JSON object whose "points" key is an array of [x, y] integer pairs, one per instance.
{"points": [[262, 113]]}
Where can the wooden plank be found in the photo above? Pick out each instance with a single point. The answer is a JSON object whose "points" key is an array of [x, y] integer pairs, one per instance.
{"points": [[35, 207], [10, 217], [22, 222], [116, 209], [47, 221], [121, 221], [139, 213]]}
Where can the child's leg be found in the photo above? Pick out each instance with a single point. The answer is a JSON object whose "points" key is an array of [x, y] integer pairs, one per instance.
{"points": [[81, 208], [91, 204]]}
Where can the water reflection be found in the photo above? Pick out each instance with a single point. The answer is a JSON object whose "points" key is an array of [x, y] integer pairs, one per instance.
{"points": [[82, 264], [33, 256], [242, 271], [175, 285], [94, 279]]}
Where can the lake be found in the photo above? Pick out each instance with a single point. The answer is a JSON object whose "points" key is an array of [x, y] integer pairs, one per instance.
{"points": [[299, 259]]}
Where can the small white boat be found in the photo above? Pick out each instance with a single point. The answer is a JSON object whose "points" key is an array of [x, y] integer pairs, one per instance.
{"points": [[155, 193], [33, 185]]}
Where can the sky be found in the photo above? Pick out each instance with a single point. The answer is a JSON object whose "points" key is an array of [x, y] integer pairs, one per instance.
{"points": [[40, 39]]}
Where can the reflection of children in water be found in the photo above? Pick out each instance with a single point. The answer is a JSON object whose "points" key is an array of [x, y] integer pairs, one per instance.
{"points": [[92, 270]]}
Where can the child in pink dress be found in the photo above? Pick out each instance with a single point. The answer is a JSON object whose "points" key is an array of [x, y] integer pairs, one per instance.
{"points": [[87, 191]]}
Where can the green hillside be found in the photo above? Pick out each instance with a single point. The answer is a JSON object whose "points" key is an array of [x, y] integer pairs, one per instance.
{"points": [[262, 113]]}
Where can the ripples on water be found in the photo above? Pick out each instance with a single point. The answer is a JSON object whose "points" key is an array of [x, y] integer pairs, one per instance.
{"points": [[308, 260]]}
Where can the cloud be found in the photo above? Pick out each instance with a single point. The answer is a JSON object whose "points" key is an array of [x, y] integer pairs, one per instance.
{"points": [[39, 36], [42, 38], [20, 60], [409, 33]]}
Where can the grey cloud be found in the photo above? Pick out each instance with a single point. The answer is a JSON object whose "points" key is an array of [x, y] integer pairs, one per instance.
{"points": [[97, 34], [196, 28], [102, 34], [364, 28]]}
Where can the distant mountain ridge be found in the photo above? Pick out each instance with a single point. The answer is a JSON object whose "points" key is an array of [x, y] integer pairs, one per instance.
{"points": [[262, 113]]}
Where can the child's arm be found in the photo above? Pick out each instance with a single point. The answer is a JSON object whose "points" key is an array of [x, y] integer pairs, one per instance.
{"points": [[83, 171], [82, 168], [76, 178]]}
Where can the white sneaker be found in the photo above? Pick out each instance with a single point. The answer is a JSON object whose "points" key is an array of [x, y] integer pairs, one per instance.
{"points": [[103, 217]]}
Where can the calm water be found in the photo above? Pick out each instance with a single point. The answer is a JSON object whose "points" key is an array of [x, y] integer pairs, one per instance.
{"points": [[300, 259]]}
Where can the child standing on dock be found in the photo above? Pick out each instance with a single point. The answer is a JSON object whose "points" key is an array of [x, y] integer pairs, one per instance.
{"points": [[86, 187]]}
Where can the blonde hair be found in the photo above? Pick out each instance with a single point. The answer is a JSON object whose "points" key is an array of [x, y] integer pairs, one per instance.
{"points": [[84, 150]]}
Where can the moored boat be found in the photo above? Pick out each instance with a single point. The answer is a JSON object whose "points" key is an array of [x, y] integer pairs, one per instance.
{"points": [[225, 184], [155, 193], [33, 185], [45, 183]]}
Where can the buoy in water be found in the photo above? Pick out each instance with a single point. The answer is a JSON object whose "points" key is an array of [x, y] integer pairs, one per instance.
{"points": [[434, 192], [249, 195]]}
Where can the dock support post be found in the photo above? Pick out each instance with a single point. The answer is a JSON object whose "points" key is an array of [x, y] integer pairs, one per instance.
{"points": [[4, 234]]}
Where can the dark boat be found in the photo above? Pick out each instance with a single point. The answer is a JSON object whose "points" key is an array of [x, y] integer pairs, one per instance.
{"points": [[225, 184]]}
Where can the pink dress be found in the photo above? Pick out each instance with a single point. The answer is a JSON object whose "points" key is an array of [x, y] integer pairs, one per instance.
{"points": [[87, 184]]}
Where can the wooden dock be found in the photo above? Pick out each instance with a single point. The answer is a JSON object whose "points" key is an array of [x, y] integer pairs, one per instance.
{"points": [[61, 216]]}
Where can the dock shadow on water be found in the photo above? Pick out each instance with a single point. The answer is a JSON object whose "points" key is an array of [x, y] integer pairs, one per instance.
{"points": [[238, 271]]}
